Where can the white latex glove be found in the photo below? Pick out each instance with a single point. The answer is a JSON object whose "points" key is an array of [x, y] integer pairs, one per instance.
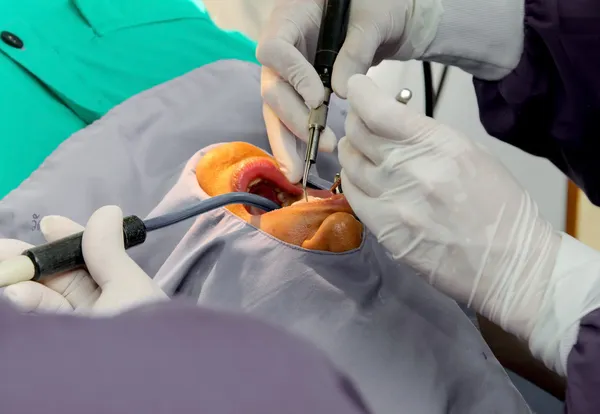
{"points": [[287, 48], [483, 37], [114, 282], [449, 209]]}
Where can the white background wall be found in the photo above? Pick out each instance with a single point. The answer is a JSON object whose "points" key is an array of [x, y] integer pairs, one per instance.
{"points": [[457, 106]]}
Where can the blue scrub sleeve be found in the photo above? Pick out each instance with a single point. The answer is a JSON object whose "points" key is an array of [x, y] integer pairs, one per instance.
{"points": [[167, 358], [583, 368], [549, 105]]}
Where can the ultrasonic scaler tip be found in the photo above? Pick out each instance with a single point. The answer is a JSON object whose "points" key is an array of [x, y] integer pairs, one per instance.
{"points": [[307, 166]]}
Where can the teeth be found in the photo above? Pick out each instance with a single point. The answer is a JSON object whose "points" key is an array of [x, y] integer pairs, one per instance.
{"points": [[310, 198], [254, 182], [284, 199]]}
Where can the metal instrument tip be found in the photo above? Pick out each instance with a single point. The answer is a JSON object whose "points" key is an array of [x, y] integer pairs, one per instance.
{"points": [[305, 179], [335, 188]]}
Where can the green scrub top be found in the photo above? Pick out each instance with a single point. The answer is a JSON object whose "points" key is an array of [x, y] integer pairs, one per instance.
{"points": [[65, 63]]}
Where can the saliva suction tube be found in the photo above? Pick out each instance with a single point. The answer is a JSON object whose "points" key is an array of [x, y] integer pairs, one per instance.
{"points": [[66, 254], [208, 205]]}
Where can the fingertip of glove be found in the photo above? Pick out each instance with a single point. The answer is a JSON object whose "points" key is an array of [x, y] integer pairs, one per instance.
{"points": [[342, 144], [104, 231], [347, 154], [49, 224], [267, 49], [107, 213], [11, 247], [344, 76], [340, 86], [310, 88], [57, 227], [357, 84], [293, 174], [328, 141], [287, 64]]}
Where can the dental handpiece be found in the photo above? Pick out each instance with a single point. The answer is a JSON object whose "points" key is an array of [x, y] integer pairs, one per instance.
{"points": [[66, 254], [334, 25]]}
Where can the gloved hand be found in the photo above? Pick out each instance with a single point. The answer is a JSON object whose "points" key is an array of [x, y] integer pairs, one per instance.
{"points": [[450, 210], [483, 37], [114, 282], [287, 48]]}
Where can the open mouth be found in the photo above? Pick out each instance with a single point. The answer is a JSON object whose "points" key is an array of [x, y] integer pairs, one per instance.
{"points": [[261, 177]]}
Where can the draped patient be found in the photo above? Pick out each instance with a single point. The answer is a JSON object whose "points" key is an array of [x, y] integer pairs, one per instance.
{"points": [[310, 268]]}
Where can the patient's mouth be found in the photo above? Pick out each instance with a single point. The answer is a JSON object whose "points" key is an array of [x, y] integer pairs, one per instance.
{"points": [[261, 176], [308, 200]]}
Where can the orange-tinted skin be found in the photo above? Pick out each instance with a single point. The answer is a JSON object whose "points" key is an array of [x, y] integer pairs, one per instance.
{"points": [[326, 226]]}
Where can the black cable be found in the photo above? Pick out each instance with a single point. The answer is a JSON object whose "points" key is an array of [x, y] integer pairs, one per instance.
{"points": [[429, 92], [432, 95], [440, 87], [66, 254], [209, 204]]}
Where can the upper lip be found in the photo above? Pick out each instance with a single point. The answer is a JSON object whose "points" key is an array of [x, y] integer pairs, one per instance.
{"points": [[263, 168]]}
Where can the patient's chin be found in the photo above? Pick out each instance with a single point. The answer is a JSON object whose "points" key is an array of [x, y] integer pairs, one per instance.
{"points": [[340, 232], [337, 232]]}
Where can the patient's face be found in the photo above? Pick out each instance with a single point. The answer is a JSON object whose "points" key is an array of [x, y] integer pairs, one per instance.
{"points": [[324, 223]]}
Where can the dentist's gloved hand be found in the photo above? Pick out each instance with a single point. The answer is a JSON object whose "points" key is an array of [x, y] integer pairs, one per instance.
{"points": [[450, 210], [483, 37], [114, 282], [287, 48]]}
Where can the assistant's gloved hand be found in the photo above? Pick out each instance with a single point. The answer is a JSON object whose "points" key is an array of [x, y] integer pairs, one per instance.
{"points": [[449, 209], [114, 282], [483, 37]]}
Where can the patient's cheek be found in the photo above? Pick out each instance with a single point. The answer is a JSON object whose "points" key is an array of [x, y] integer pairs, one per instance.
{"points": [[340, 232]]}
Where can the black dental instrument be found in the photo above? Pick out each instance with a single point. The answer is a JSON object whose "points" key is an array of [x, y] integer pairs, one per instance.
{"points": [[334, 25], [66, 254]]}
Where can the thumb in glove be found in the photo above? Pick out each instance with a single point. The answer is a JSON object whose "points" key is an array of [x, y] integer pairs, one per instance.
{"points": [[64, 292], [122, 282]]}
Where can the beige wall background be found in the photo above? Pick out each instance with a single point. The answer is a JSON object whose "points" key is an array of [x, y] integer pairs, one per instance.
{"points": [[583, 221]]}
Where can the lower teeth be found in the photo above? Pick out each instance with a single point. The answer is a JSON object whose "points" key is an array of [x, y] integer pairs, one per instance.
{"points": [[282, 197], [310, 198]]}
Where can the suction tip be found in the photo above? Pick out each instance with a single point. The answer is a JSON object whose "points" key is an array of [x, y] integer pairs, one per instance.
{"points": [[15, 270]]}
